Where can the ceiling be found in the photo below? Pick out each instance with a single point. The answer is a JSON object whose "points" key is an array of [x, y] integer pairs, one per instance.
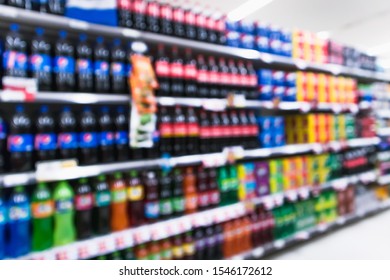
{"points": [[360, 23]]}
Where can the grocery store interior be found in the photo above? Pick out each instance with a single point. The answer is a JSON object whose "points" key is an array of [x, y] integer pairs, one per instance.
{"points": [[194, 130]]}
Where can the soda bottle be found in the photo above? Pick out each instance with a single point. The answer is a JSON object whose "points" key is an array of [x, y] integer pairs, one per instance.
{"points": [[67, 136], [17, 3], [177, 249], [200, 244], [118, 68], [235, 130], [233, 184], [121, 134], [228, 237], [64, 64], [162, 66], [189, 21], [88, 137], [188, 246], [101, 210], [224, 78], [176, 73], [246, 129], [203, 78], [193, 131], [166, 130], [136, 197], [204, 133], [57, 7], [214, 194], [128, 254], [178, 194], [218, 230], [166, 18], [83, 207], [166, 249], [84, 67], [20, 141], [214, 78], [154, 251], [107, 136], [166, 201], [178, 19], [226, 130], [119, 217], [139, 14], [244, 83], [190, 75], [254, 130], [125, 15], [202, 189], [101, 66], [190, 195], [253, 92], [234, 76], [15, 61], [179, 132], [217, 143], [19, 216], [220, 28], [211, 26], [152, 16], [200, 22], [42, 209], [46, 137], [40, 61], [3, 225], [151, 197], [211, 243]]}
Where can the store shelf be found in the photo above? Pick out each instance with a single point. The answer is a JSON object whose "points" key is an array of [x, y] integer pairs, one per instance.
{"points": [[383, 131], [34, 19]]}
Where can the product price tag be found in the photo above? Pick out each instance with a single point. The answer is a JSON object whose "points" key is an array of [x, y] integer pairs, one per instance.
{"points": [[353, 109], [83, 251], [304, 235], [300, 64], [336, 108], [78, 24], [305, 107], [18, 179], [19, 89], [198, 220], [158, 231], [292, 195], [214, 104], [214, 160], [219, 216], [322, 227], [268, 202], [9, 12], [341, 221], [102, 246], [173, 228], [142, 235], [120, 241], [318, 148], [57, 170], [367, 177], [258, 252], [130, 33], [279, 244], [236, 100], [304, 193], [278, 198], [340, 184]]}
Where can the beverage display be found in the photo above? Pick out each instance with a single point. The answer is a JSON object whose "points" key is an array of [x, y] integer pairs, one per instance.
{"points": [[64, 64], [84, 67], [83, 209], [88, 137], [46, 137], [101, 202], [41, 61], [15, 61], [119, 218]]}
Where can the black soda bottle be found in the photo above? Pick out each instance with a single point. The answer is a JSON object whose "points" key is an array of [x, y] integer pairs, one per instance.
{"points": [[178, 193], [40, 61], [15, 54], [152, 16], [214, 78], [121, 123], [189, 21], [20, 141], [84, 208], [3, 144], [179, 132], [139, 14], [203, 78], [152, 210], [101, 67], [125, 15], [45, 137], [64, 64], [84, 67], [88, 137], [101, 202], [166, 202], [221, 28], [205, 133], [118, 68], [178, 19], [107, 136], [166, 18], [67, 134], [136, 197], [190, 75], [211, 26], [56, 7], [200, 21], [224, 78], [166, 130], [193, 131], [177, 73], [162, 67], [200, 244]]}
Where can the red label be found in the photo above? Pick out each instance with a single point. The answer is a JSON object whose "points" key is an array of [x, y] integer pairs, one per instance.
{"points": [[214, 197], [189, 18], [179, 129], [244, 80], [203, 76], [84, 202], [190, 72], [139, 6], [235, 78], [166, 12], [214, 77], [221, 25], [162, 69], [203, 200], [211, 24], [124, 4], [178, 15], [253, 80], [166, 130], [193, 129], [205, 132], [200, 20], [177, 70], [235, 130], [254, 130], [216, 131], [225, 78], [153, 9], [225, 130]]}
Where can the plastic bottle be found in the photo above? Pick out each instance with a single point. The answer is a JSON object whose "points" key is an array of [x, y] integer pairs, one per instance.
{"points": [[3, 225], [165, 127], [20, 141], [177, 249], [139, 14], [214, 193], [19, 218], [101, 210], [42, 209], [15, 62], [215, 85], [128, 254], [88, 137], [118, 68], [67, 134], [41, 61], [3, 145], [189, 21], [200, 22], [202, 189], [203, 77], [101, 66], [224, 78], [84, 66], [165, 194], [178, 194], [125, 15], [57, 7], [178, 20], [119, 217], [179, 132], [166, 18], [121, 123], [83, 206], [200, 244], [141, 253], [153, 16], [64, 228], [177, 73], [64, 64], [190, 194], [166, 249], [106, 137], [190, 75], [188, 246], [135, 196], [154, 251], [151, 197], [163, 70], [46, 137]]}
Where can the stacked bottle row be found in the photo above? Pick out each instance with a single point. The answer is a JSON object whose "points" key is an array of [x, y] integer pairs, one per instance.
{"points": [[56, 7]]}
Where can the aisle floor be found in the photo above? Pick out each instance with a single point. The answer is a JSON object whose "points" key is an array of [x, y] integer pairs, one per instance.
{"points": [[367, 239]]}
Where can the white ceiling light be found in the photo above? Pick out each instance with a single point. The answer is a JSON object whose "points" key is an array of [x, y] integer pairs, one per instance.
{"points": [[247, 8]]}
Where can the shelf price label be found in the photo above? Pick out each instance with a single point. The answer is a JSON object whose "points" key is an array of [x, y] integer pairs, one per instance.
{"points": [[83, 251], [236, 100], [19, 89]]}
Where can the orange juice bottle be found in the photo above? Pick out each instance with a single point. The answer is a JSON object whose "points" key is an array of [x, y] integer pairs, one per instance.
{"points": [[119, 217], [228, 239], [190, 194]]}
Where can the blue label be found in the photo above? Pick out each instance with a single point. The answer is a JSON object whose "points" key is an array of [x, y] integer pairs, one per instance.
{"points": [[151, 210], [15, 60], [121, 138], [64, 206], [107, 138], [101, 68], [20, 143], [129, 69], [84, 66], [118, 69], [19, 213], [3, 216], [44, 142], [40, 63], [88, 140], [63, 64], [67, 140], [3, 132]]}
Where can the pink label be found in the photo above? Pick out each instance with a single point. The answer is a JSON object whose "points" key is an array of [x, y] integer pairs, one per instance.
{"points": [[179, 129], [221, 25], [203, 200], [190, 72], [162, 68], [153, 9], [166, 12], [214, 77], [84, 202], [178, 15], [203, 76], [193, 129], [211, 24], [166, 130], [124, 4], [225, 78], [177, 70], [189, 18], [205, 132], [200, 20], [214, 197], [253, 80], [235, 78], [139, 6]]}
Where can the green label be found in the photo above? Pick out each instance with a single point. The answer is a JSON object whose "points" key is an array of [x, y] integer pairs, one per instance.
{"points": [[118, 196], [102, 199], [178, 204], [225, 185], [166, 254], [166, 207]]}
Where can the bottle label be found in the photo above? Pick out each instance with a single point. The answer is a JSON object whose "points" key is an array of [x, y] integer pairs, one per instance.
{"points": [[203, 76], [3, 217], [166, 254], [253, 80], [151, 210], [225, 78], [40, 63], [84, 66], [177, 70], [236, 130], [83, 202], [64, 64], [102, 199], [139, 7], [44, 142], [179, 129], [41, 210], [190, 72], [124, 4], [153, 9], [166, 207], [20, 143], [246, 130], [118, 69], [166, 12], [178, 15], [214, 197], [14, 60], [205, 132], [203, 200], [200, 20], [121, 138], [166, 130], [135, 193], [214, 77], [178, 204], [189, 249], [88, 140], [67, 141], [177, 252], [189, 18], [19, 213], [118, 196], [244, 80], [225, 131], [191, 202], [211, 23], [101, 68], [193, 129], [64, 206], [162, 68], [220, 25], [235, 79], [254, 130], [107, 138], [216, 131]]}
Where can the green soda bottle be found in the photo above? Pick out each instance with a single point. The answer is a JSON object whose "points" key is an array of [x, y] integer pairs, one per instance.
{"points": [[42, 208], [224, 184], [64, 228], [233, 185]]}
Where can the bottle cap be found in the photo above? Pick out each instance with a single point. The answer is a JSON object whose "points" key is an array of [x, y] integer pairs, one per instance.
{"points": [[117, 175], [120, 109], [83, 37], [104, 109], [19, 108], [117, 42], [87, 108], [63, 34], [101, 178], [83, 180], [40, 31], [99, 40], [44, 109], [66, 109], [14, 27]]}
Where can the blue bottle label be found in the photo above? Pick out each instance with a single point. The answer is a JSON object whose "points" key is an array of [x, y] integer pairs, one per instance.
{"points": [[40, 63], [64, 64], [101, 68], [103, 199], [118, 69], [107, 138], [84, 66], [88, 140], [20, 143], [44, 142], [151, 210], [3, 217], [67, 140], [14, 60], [121, 138], [64, 206], [19, 213]]}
